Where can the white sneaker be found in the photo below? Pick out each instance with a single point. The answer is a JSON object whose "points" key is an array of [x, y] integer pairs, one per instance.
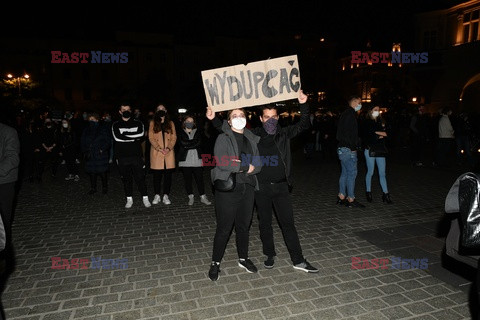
{"points": [[166, 200], [146, 202], [203, 199], [190, 199], [69, 177], [77, 161], [129, 203], [63, 162], [156, 199], [77, 178]]}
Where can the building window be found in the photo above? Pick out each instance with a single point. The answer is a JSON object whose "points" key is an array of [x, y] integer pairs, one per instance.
{"points": [[68, 94], [87, 94], [475, 31], [470, 26], [466, 29]]}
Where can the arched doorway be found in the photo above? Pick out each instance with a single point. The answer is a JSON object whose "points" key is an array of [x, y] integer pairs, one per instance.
{"points": [[470, 96]]}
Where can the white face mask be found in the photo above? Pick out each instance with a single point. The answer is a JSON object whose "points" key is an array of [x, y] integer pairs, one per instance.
{"points": [[239, 123], [375, 114], [65, 125]]}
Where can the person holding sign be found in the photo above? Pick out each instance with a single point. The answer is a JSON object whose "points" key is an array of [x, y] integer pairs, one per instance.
{"points": [[235, 147], [275, 180]]}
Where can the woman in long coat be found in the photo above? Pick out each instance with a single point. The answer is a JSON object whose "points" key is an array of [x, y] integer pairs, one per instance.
{"points": [[162, 137]]}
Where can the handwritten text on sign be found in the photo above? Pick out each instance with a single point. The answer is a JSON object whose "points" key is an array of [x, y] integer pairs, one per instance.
{"points": [[256, 83]]}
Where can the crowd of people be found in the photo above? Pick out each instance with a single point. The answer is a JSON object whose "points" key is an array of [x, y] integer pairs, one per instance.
{"points": [[252, 156]]}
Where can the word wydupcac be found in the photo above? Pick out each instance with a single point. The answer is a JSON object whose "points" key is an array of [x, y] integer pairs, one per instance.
{"points": [[83, 57], [95, 263], [256, 83], [396, 263]]}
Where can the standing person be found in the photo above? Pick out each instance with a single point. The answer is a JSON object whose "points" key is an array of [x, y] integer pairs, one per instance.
{"points": [[128, 134], [162, 136], [463, 131], [375, 134], [49, 150], [190, 160], [96, 144], [275, 181], [418, 136], [348, 144], [446, 139], [68, 149], [9, 166], [234, 207]]}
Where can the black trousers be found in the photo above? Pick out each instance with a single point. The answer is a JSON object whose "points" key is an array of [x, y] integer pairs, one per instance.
{"points": [[277, 196], [233, 208], [69, 157], [197, 173], [132, 168], [157, 181], [93, 181]]}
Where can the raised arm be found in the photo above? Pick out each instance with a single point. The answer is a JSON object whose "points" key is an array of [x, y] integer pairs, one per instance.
{"points": [[304, 123]]}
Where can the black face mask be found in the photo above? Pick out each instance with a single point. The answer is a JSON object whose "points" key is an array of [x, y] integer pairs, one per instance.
{"points": [[126, 114], [160, 113]]}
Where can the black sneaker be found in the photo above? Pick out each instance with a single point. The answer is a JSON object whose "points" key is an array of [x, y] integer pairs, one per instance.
{"points": [[248, 265], [214, 271], [305, 266], [354, 204], [269, 263]]}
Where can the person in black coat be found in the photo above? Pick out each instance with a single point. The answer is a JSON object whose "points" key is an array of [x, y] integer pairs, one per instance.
{"points": [[96, 145], [67, 142], [190, 159]]}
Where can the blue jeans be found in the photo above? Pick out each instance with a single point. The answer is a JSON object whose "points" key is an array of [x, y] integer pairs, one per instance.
{"points": [[348, 160], [381, 164]]}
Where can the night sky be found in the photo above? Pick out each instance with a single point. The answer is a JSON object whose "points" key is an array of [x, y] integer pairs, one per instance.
{"points": [[350, 24]]}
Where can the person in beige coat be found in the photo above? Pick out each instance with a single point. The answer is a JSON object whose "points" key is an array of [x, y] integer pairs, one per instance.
{"points": [[162, 137]]}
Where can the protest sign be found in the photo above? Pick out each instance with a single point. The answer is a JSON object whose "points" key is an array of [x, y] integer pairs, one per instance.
{"points": [[256, 83]]}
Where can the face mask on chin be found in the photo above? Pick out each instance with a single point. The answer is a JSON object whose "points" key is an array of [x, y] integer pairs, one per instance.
{"points": [[239, 123]]}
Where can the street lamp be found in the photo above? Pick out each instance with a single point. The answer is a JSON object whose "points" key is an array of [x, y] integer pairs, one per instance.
{"points": [[19, 80]]}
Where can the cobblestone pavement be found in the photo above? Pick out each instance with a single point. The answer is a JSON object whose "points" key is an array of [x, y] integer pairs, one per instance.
{"points": [[168, 249]]}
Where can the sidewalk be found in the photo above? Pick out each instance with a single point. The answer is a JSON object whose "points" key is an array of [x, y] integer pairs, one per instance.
{"points": [[168, 249]]}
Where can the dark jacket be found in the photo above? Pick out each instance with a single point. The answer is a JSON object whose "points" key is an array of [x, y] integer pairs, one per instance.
{"points": [[128, 137], [186, 144], [96, 145], [226, 146], [369, 137], [9, 154], [282, 137], [347, 130]]}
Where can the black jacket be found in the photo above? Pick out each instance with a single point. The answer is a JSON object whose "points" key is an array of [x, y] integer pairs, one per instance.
{"points": [[347, 130], [187, 144], [282, 137]]}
